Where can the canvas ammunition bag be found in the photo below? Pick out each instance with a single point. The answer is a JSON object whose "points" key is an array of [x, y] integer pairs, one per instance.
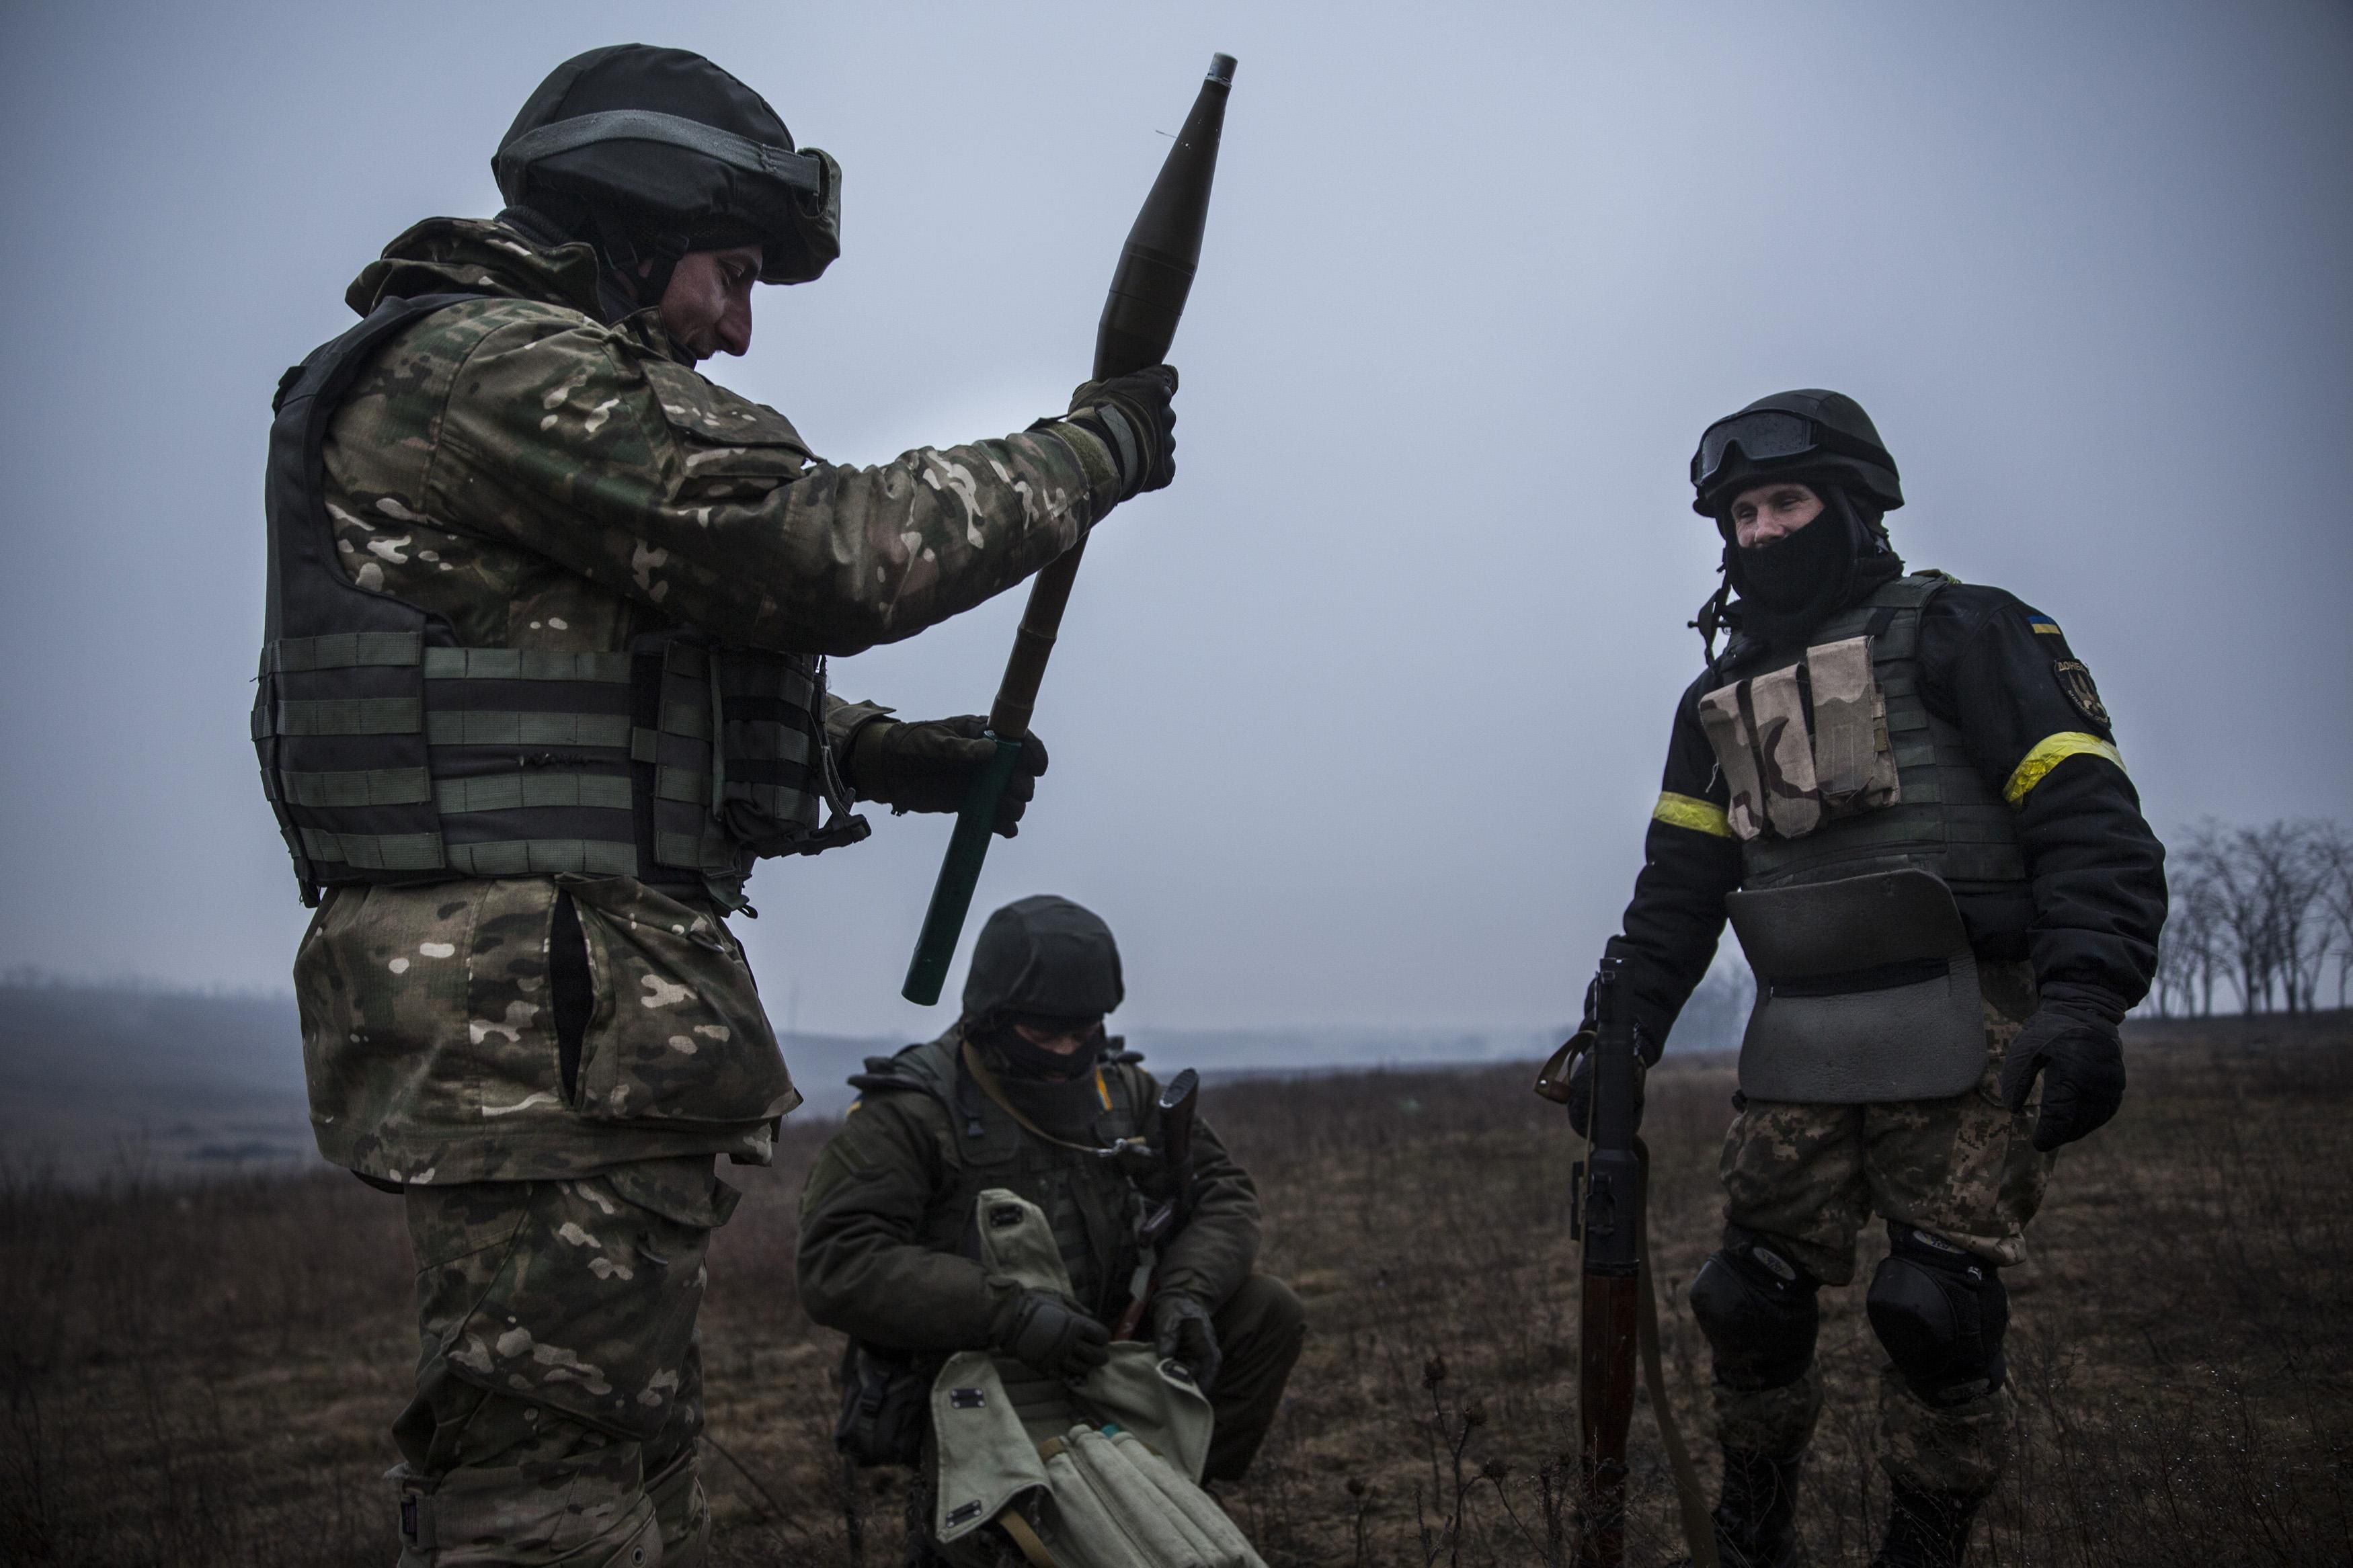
{"points": [[1103, 1474], [1866, 992]]}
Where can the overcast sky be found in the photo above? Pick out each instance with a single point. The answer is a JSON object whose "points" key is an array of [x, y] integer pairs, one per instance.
{"points": [[1361, 721]]}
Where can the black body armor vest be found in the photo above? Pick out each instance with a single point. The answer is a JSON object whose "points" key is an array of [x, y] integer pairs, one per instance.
{"points": [[390, 754], [1940, 816]]}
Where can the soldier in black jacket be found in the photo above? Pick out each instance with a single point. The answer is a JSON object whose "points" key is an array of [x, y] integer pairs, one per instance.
{"points": [[1906, 794]]}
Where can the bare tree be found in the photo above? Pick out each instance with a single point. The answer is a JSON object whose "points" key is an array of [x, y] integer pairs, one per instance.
{"points": [[2242, 931], [2332, 854], [2280, 874], [2189, 952]]}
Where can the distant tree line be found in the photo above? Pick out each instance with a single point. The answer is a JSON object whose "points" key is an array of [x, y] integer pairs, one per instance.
{"points": [[2263, 913]]}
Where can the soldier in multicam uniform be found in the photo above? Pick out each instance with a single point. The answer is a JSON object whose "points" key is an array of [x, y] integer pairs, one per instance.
{"points": [[544, 678], [1905, 795], [1026, 1093]]}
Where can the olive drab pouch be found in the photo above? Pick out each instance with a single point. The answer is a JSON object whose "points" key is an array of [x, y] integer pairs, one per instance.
{"points": [[1803, 744], [1866, 992], [732, 743], [1103, 1475], [883, 1395]]}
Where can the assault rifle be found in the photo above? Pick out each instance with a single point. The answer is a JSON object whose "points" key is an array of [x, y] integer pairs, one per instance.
{"points": [[1139, 322], [1618, 1319], [1178, 1100]]}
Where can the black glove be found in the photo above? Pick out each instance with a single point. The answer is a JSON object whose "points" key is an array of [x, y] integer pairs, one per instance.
{"points": [[929, 766], [1580, 1074], [1049, 1333], [1580, 1089], [1132, 415], [1181, 1331], [2073, 1035]]}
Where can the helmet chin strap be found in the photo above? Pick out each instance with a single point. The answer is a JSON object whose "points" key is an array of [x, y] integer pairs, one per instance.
{"points": [[1710, 619], [638, 266]]}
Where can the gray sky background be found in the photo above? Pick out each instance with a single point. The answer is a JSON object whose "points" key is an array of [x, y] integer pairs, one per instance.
{"points": [[1360, 721]]}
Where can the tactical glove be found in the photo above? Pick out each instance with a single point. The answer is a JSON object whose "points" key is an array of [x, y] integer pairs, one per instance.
{"points": [[929, 766], [1181, 1330], [2072, 1037], [1049, 1333], [1580, 1089], [1580, 1073], [1132, 415]]}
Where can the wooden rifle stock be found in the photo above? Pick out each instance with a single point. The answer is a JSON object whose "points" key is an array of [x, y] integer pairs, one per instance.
{"points": [[1611, 1210], [1139, 322]]}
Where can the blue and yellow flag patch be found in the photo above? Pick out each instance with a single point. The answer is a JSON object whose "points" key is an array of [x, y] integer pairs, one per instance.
{"points": [[2044, 625]]}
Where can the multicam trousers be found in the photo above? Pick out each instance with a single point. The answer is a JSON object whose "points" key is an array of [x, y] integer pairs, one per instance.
{"points": [[559, 1389], [1810, 1176]]}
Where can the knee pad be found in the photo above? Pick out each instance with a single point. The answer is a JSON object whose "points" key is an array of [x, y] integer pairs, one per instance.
{"points": [[1760, 1311], [1941, 1312]]}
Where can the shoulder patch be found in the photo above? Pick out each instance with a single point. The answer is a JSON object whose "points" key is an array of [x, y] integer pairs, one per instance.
{"points": [[2044, 625], [2076, 683]]}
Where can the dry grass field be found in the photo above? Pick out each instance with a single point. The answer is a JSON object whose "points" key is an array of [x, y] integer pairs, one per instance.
{"points": [[202, 1375]]}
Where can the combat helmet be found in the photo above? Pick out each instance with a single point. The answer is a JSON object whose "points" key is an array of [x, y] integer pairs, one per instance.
{"points": [[1043, 960], [652, 153], [1809, 432]]}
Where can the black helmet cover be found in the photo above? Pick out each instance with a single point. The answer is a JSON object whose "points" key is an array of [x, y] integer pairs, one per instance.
{"points": [[659, 152], [1807, 434], [1043, 960]]}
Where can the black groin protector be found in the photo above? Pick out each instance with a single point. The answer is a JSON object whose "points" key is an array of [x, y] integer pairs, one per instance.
{"points": [[1760, 1311], [1941, 1313], [1867, 991]]}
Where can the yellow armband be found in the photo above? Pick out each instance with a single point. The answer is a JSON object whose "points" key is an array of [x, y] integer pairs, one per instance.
{"points": [[1685, 811], [2048, 754]]}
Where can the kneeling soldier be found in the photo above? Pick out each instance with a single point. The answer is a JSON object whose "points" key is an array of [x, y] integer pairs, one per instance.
{"points": [[1024, 1095]]}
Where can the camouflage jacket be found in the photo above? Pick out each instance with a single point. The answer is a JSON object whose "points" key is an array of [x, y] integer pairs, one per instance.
{"points": [[546, 480], [888, 1249]]}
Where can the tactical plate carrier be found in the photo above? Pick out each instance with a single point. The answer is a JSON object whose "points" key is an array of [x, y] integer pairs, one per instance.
{"points": [[1859, 814], [391, 754]]}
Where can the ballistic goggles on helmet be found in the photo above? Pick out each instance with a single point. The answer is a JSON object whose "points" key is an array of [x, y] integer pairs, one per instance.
{"points": [[1770, 435], [809, 172], [810, 175]]}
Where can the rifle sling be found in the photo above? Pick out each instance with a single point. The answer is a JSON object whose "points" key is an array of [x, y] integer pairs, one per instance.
{"points": [[1699, 1525], [1019, 1529]]}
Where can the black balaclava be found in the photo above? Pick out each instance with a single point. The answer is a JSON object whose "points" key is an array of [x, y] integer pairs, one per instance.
{"points": [[1789, 588], [1001, 1039]]}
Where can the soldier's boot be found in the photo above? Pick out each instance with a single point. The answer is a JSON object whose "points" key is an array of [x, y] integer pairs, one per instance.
{"points": [[1755, 1522], [1925, 1528], [682, 1511]]}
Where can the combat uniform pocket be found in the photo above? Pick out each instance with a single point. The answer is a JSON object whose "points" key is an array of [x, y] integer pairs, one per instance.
{"points": [[678, 1033], [578, 1295], [725, 440]]}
